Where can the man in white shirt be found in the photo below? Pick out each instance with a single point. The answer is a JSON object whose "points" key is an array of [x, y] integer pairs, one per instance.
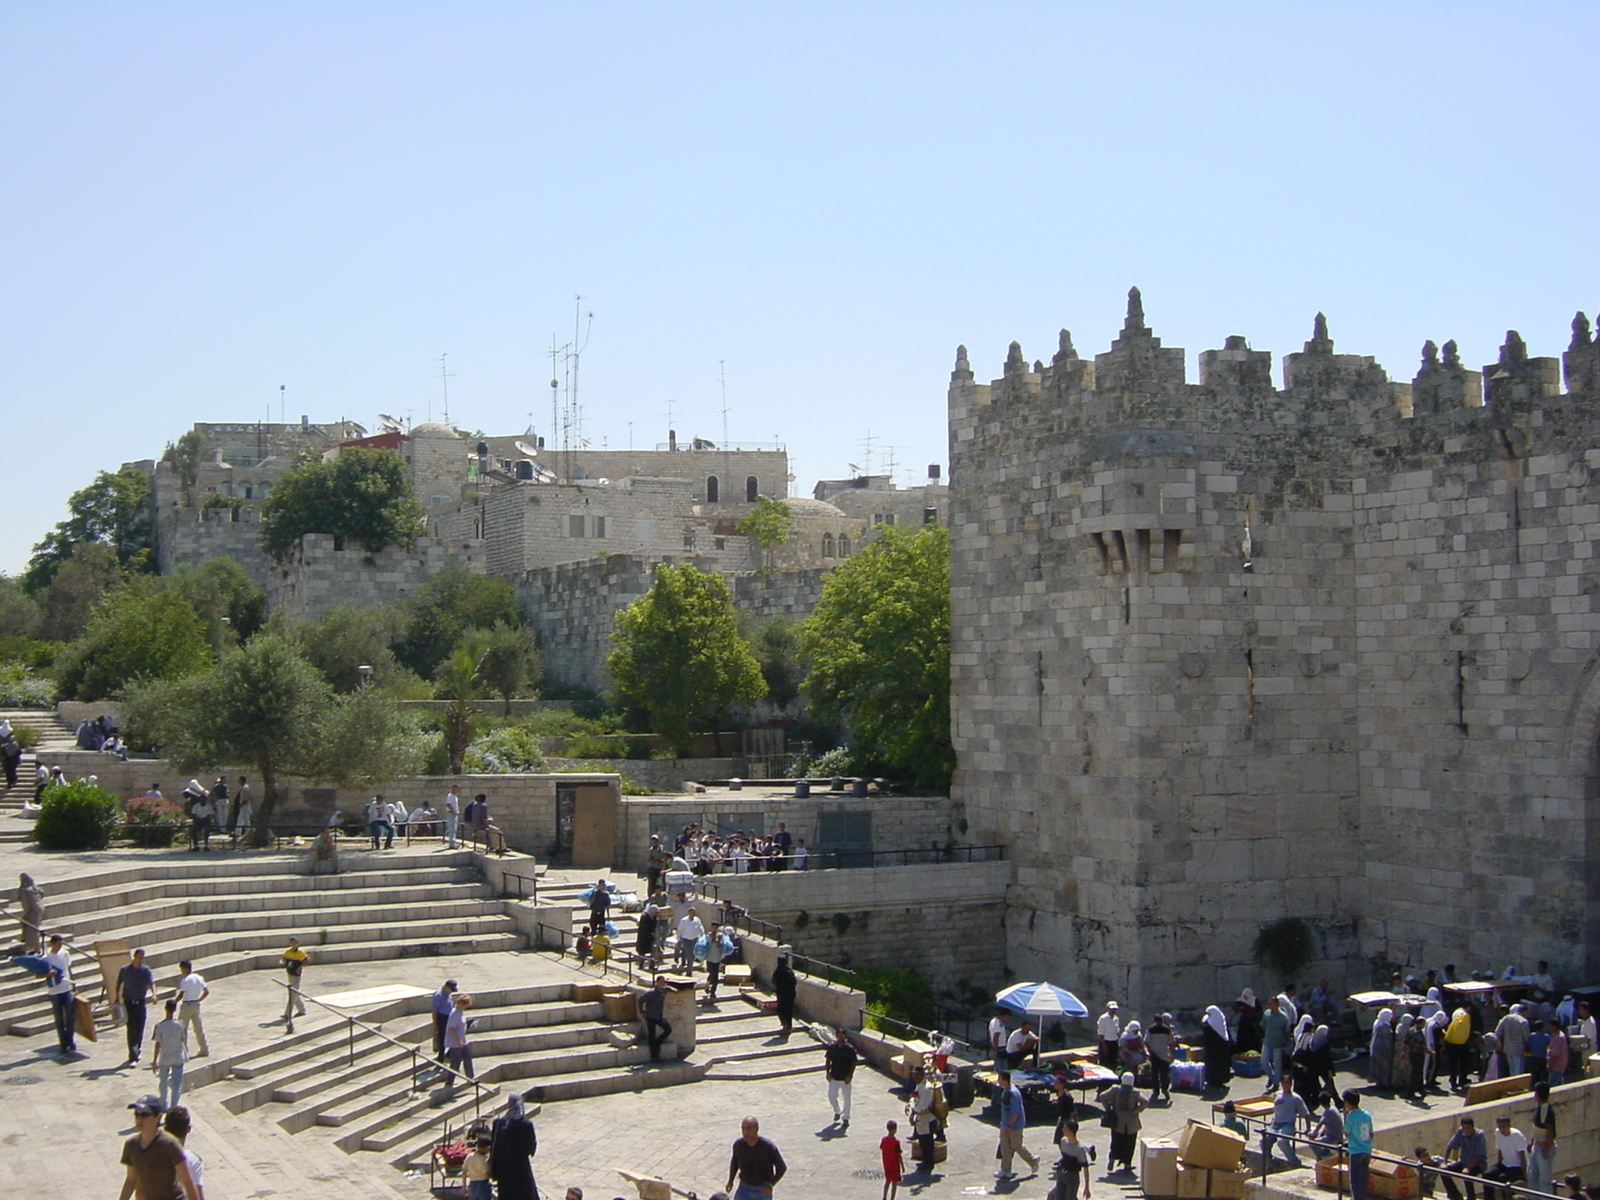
{"points": [[690, 931], [1510, 1155], [997, 1039], [1022, 1042], [1108, 1029], [191, 992], [452, 815], [800, 855], [1585, 1025], [58, 986]]}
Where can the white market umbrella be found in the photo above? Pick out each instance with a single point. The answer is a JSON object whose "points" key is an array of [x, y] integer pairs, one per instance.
{"points": [[1041, 1000]]}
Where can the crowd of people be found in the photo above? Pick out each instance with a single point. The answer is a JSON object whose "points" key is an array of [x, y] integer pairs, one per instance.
{"points": [[707, 853]]}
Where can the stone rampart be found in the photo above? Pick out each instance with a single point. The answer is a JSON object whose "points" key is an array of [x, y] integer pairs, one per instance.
{"points": [[1224, 653], [322, 573]]}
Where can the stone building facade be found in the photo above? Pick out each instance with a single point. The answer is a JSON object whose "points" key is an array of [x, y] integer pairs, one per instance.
{"points": [[1224, 653]]}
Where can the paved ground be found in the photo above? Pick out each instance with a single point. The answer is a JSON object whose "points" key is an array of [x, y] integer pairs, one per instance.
{"points": [[53, 1113]]}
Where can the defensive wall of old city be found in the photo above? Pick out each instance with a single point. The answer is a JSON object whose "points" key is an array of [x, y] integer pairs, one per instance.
{"points": [[1225, 653]]}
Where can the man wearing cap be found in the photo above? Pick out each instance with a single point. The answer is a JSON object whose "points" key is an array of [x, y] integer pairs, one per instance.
{"points": [[1109, 1031], [58, 986], [157, 1169], [442, 1006]]}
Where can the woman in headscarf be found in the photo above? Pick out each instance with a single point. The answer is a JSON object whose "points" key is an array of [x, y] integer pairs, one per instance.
{"points": [[1123, 1101], [1217, 1049], [1489, 1067], [1434, 1033], [514, 1146], [1303, 1062], [1380, 1050], [1322, 1060], [1247, 1035], [1400, 1073], [1130, 1048]]}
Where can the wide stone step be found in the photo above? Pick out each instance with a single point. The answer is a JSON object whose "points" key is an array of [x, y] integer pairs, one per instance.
{"points": [[424, 1118]]}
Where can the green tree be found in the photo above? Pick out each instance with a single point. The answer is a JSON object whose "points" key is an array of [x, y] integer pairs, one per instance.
{"points": [[444, 608], [112, 511], [363, 496], [20, 614], [775, 642], [679, 657], [186, 455], [364, 738], [260, 704], [769, 524], [76, 587], [511, 666], [878, 644], [143, 629], [460, 681], [348, 638], [225, 598]]}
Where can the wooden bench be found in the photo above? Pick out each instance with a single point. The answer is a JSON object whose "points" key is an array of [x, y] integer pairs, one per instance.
{"points": [[1498, 1089]]}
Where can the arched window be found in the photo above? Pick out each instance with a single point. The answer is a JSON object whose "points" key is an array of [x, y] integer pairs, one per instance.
{"points": [[713, 490], [827, 545], [844, 546], [750, 489]]}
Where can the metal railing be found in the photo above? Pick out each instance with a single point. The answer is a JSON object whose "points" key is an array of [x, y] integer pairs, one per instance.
{"points": [[828, 971], [1482, 1184], [923, 1035], [531, 892], [835, 860], [418, 1058]]}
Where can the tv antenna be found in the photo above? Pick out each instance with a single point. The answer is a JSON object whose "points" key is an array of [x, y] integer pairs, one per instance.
{"points": [[445, 376], [866, 442], [722, 380], [566, 412]]}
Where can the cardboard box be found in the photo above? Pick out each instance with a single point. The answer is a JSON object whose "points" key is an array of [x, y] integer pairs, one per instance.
{"points": [[1192, 1182], [1228, 1185], [650, 1187], [1158, 1167], [1393, 1181], [1210, 1146], [941, 1150], [1332, 1172]]}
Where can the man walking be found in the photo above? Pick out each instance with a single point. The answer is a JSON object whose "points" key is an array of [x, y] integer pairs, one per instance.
{"points": [[1512, 1033], [1274, 1038], [190, 994], [442, 1006], [452, 815], [656, 861], [690, 931], [756, 1162], [157, 1168], [136, 983], [58, 986], [1289, 1116], [1013, 1120], [294, 962], [599, 904], [652, 1011], [169, 1052], [839, 1065]]}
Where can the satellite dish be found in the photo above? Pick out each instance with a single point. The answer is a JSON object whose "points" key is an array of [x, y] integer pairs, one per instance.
{"points": [[524, 448]]}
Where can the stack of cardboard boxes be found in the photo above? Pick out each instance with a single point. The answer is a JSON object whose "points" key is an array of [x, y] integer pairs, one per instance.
{"points": [[1202, 1163], [1390, 1180]]}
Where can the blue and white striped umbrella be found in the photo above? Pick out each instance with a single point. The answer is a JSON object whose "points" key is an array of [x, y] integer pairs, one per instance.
{"points": [[1041, 1000]]}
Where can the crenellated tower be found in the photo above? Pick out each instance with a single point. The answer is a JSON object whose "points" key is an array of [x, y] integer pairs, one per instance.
{"points": [[1224, 653]]}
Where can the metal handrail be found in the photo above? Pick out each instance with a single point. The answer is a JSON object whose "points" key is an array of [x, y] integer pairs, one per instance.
{"points": [[417, 1057], [829, 970], [927, 1035], [72, 947], [1342, 1152], [855, 859], [521, 879]]}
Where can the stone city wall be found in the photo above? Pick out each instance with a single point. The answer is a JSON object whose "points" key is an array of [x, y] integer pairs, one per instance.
{"points": [[1224, 653], [912, 917], [317, 576]]}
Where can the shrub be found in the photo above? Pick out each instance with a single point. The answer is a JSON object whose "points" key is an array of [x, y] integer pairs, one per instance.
{"points": [[76, 816], [151, 822], [838, 761], [26, 736], [896, 992], [21, 689], [592, 745], [509, 750]]}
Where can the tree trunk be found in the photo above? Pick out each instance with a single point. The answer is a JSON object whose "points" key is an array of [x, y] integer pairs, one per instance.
{"points": [[260, 831]]}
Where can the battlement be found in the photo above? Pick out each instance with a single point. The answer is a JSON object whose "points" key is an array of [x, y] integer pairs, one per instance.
{"points": [[1140, 384]]}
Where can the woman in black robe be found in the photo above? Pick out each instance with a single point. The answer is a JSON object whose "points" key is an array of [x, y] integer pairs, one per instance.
{"points": [[1217, 1048], [509, 1159], [784, 985]]}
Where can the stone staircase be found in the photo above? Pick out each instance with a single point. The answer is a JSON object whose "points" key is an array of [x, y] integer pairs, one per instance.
{"points": [[53, 735], [229, 913]]}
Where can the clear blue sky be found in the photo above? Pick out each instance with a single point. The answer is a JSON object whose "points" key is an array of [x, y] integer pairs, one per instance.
{"points": [[202, 201]]}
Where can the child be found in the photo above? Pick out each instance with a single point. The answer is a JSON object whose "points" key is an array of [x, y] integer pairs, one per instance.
{"points": [[894, 1161], [600, 945], [580, 948], [1231, 1118], [1071, 1167], [475, 1183]]}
